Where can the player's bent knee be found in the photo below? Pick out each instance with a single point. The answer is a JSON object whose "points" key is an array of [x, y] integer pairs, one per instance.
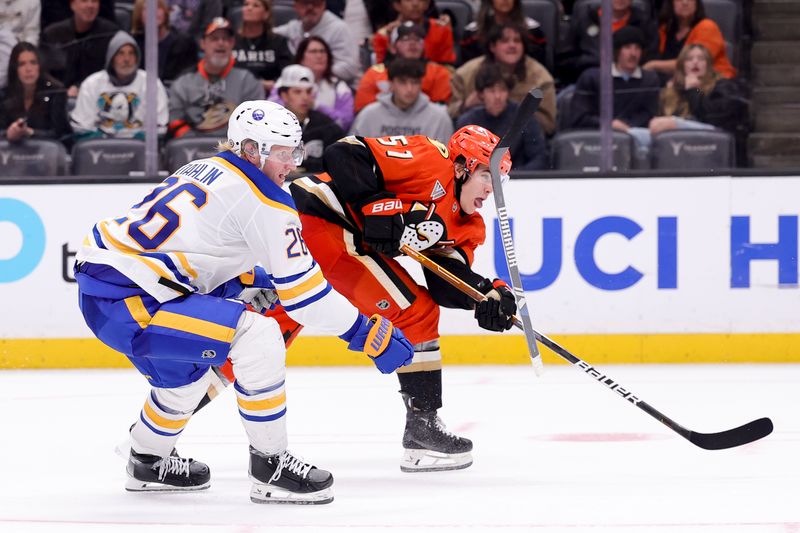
{"points": [[258, 353]]}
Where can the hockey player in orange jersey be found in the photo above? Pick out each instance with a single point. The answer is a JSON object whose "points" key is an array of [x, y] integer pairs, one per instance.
{"points": [[376, 194]]}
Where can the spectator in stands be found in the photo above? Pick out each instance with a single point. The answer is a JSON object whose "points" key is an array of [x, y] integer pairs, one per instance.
{"points": [[404, 110], [22, 18], [112, 101], [315, 20], [76, 47], [259, 49], [34, 104], [492, 12], [496, 113], [407, 42], [505, 48], [7, 43], [583, 39], [438, 33], [201, 101], [192, 16], [57, 10], [684, 22], [698, 97], [177, 52], [635, 91], [334, 97], [296, 88]]}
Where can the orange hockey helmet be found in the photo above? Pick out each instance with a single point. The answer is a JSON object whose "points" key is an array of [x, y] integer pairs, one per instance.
{"points": [[475, 145]]}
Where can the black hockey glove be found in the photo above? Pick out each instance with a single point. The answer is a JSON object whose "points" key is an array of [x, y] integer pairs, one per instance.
{"points": [[383, 224], [496, 312]]}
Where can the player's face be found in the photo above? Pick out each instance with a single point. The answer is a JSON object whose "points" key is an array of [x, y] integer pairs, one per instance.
{"points": [[125, 61], [279, 164], [621, 5], [85, 10], [476, 190], [27, 69]]}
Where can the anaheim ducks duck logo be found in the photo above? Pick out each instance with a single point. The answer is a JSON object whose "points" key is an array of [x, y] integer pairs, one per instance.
{"points": [[424, 228]]}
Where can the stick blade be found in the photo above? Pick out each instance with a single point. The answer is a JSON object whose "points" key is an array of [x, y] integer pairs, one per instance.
{"points": [[750, 432]]}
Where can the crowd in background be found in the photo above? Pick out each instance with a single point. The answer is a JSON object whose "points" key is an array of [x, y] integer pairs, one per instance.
{"points": [[71, 70]]}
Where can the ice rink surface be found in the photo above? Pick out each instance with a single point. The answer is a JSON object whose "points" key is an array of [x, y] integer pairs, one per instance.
{"points": [[553, 454]]}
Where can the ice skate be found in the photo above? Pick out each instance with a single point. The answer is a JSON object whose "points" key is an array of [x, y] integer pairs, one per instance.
{"points": [[283, 478], [429, 447], [154, 473]]}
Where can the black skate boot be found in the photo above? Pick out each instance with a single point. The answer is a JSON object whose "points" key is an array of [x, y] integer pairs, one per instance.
{"points": [[283, 478], [429, 447], [154, 473]]}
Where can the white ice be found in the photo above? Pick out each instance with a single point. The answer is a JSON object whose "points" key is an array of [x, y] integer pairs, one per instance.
{"points": [[553, 454]]}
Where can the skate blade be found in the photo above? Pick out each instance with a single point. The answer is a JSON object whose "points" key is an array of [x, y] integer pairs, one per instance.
{"points": [[265, 493], [134, 485], [419, 460]]}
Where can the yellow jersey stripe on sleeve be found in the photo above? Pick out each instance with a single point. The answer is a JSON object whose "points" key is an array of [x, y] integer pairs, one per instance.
{"points": [[261, 196], [307, 286]]}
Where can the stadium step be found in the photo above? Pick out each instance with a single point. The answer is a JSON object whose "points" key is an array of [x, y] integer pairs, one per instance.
{"points": [[774, 52], [776, 28], [777, 119], [775, 8], [775, 162], [765, 96], [774, 144], [776, 75]]}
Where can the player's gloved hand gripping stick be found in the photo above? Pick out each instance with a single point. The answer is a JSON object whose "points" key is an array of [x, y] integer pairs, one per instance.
{"points": [[731, 438]]}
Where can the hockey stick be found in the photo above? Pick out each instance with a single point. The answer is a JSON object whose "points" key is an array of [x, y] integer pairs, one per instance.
{"points": [[731, 438], [525, 111]]}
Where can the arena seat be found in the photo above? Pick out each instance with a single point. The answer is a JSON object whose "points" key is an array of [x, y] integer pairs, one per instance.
{"points": [[693, 149], [33, 157], [178, 152], [580, 150], [546, 13], [108, 157]]}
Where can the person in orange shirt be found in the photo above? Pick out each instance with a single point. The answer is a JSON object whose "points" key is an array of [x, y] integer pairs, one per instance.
{"points": [[684, 22], [438, 33], [406, 42]]}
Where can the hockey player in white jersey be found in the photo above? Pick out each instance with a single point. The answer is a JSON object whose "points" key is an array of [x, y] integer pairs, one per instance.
{"points": [[159, 285]]}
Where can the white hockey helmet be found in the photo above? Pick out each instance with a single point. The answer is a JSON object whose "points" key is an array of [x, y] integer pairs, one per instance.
{"points": [[268, 124]]}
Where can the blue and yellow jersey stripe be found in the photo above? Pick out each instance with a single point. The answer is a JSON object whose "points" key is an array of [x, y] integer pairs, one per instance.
{"points": [[302, 289], [264, 188]]}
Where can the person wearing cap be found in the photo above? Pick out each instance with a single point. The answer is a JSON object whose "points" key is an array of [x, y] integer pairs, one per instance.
{"points": [[404, 110], [201, 100], [314, 19], [584, 35], [407, 41], [439, 44], [636, 90], [297, 90], [112, 101]]}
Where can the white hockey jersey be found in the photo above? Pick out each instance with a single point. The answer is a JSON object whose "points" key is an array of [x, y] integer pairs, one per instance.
{"points": [[207, 223]]}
